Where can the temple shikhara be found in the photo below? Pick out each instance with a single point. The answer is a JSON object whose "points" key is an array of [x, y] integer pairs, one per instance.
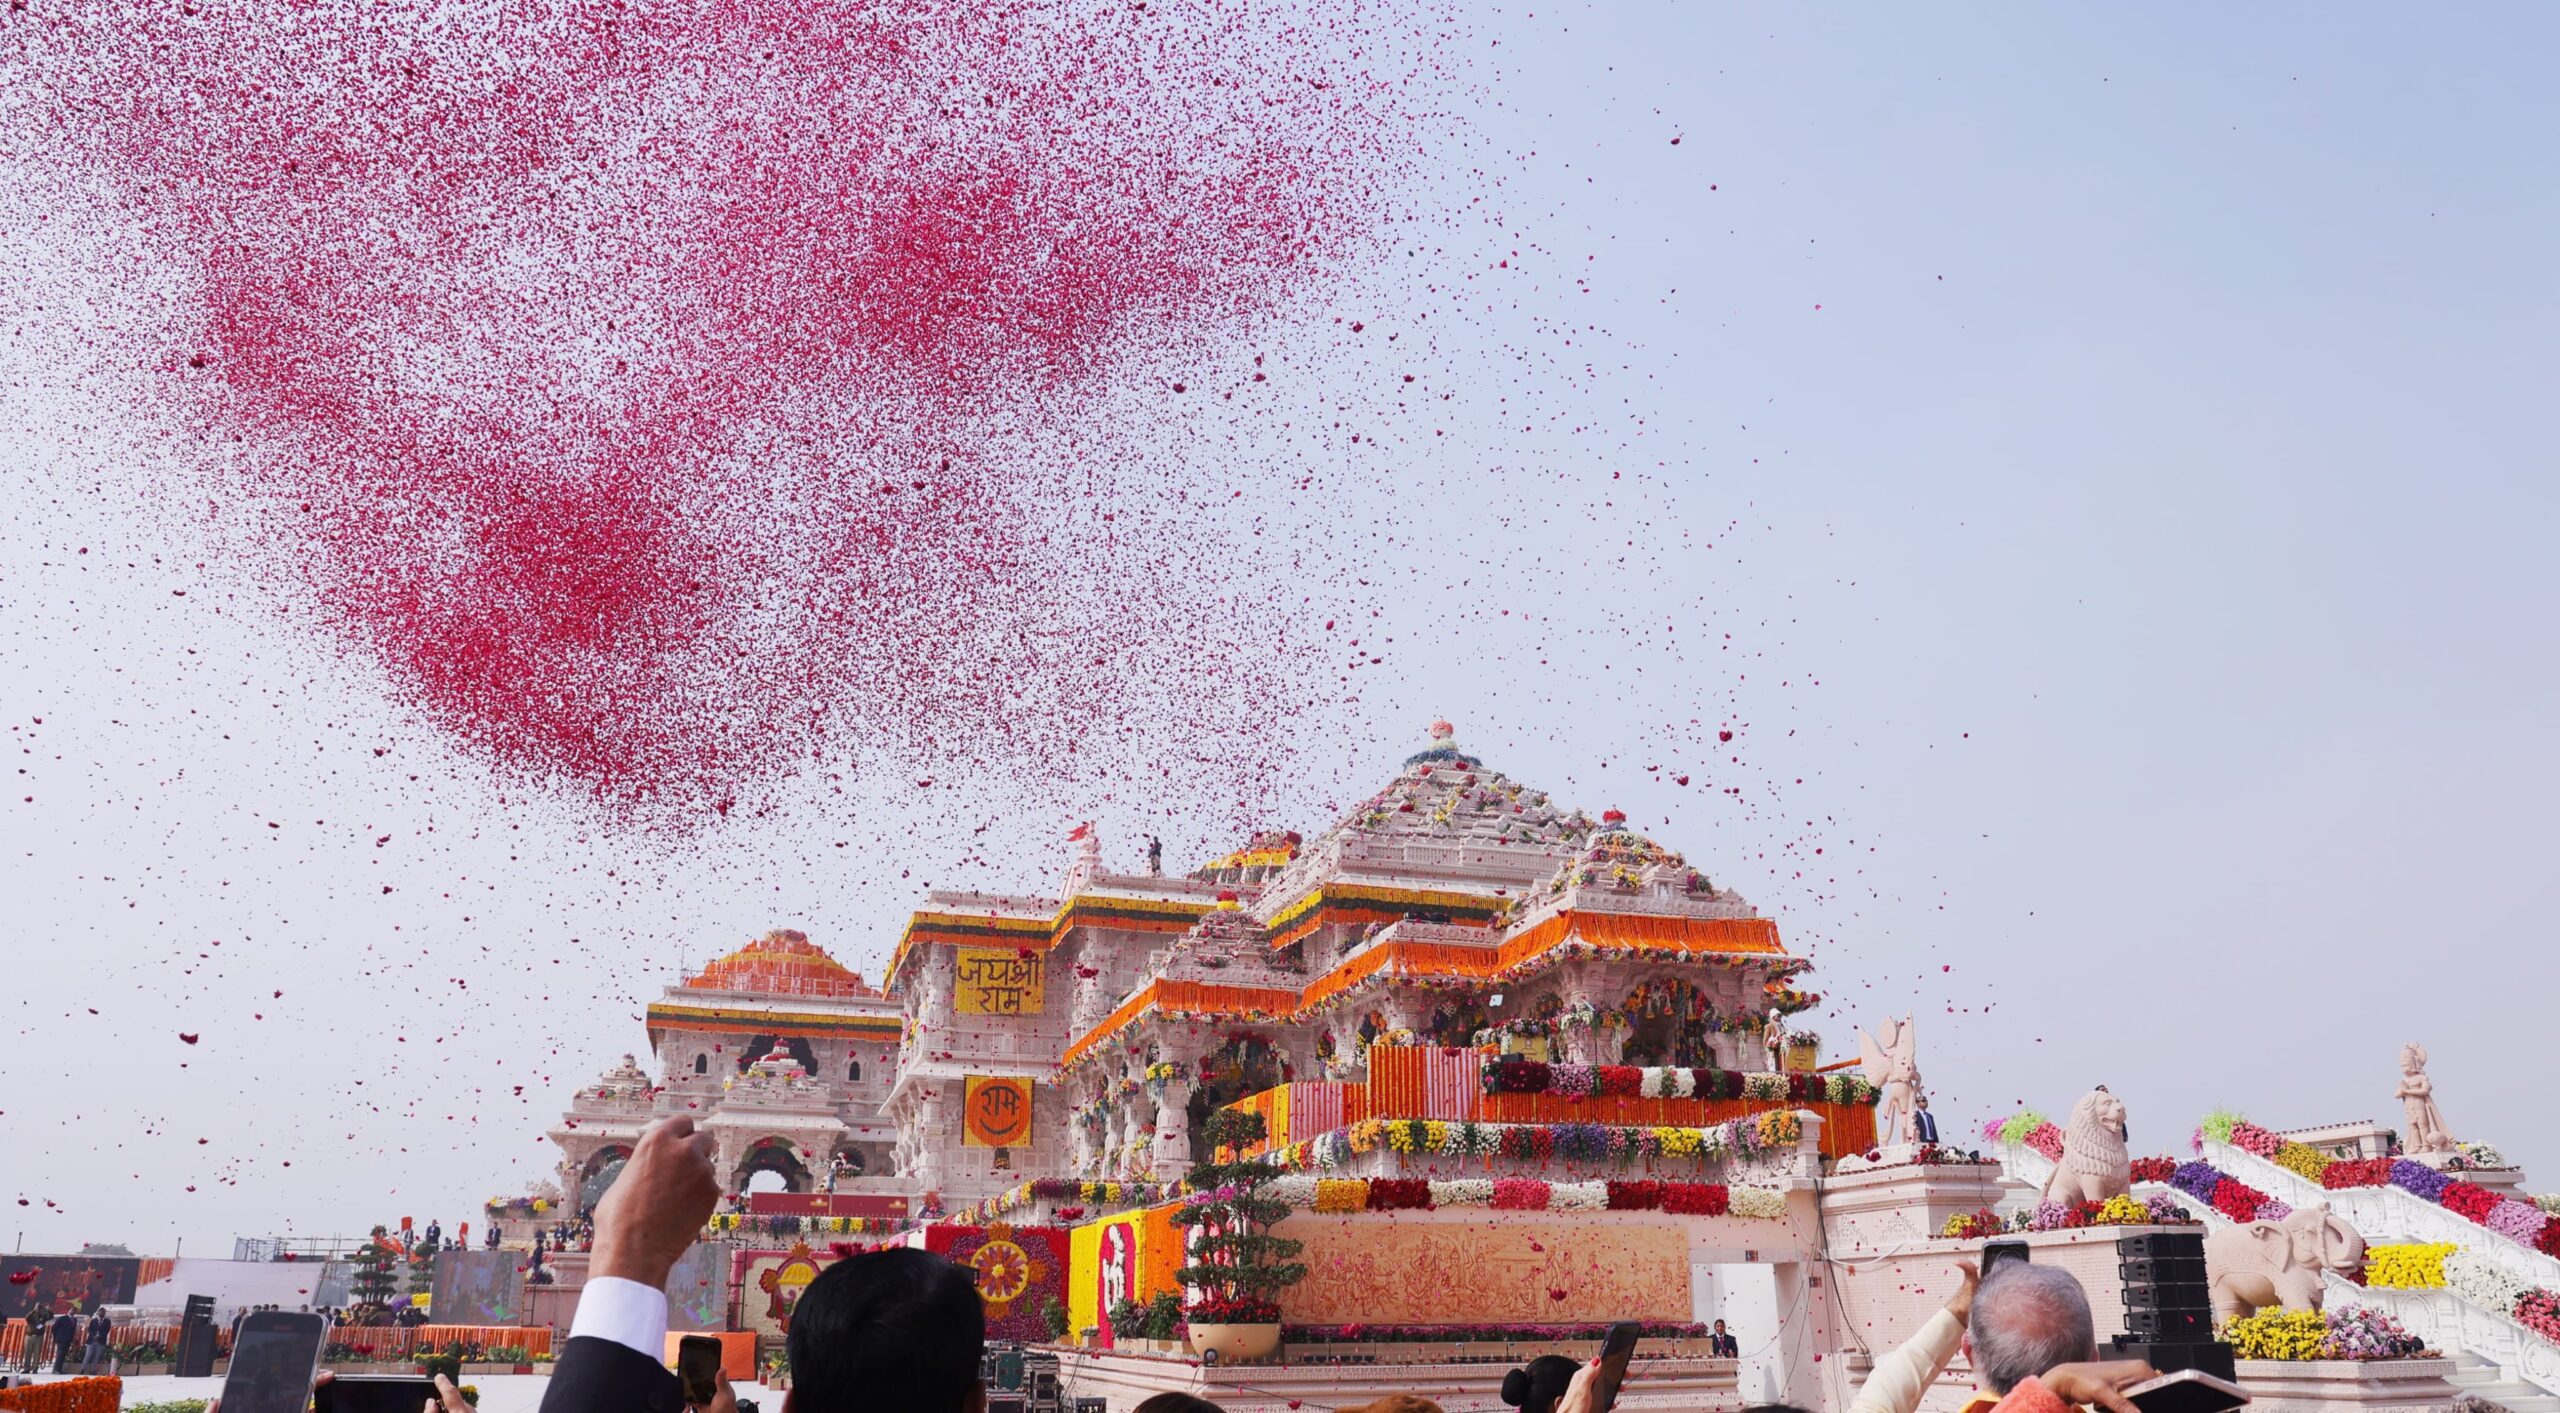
{"points": [[1516, 1071]]}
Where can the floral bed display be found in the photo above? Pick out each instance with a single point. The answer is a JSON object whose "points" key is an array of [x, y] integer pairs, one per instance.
{"points": [[1703, 1199], [2408, 1265], [1517, 1076], [2026, 1128], [1091, 1195], [2157, 1210], [2226, 1194], [2521, 1220], [1474, 1334], [2349, 1332], [1779, 1130]]}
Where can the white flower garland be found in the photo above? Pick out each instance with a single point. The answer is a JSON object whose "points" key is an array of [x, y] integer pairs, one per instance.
{"points": [[2483, 1282], [1577, 1197], [1462, 1192], [1756, 1202]]}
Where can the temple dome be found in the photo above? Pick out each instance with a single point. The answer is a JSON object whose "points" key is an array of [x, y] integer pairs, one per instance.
{"points": [[783, 962]]}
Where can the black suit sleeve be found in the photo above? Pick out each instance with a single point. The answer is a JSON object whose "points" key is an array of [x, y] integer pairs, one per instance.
{"points": [[599, 1376]]}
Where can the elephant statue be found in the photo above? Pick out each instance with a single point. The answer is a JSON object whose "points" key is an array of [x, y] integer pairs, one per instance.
{"points": [[2261, 1264]]}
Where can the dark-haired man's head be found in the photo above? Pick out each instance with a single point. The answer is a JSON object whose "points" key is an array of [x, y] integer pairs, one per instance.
{"points": [[888, 1329]]}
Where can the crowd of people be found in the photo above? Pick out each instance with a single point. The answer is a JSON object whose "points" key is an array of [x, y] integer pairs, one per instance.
{"points": [[905, 1329], [71, 1334]]}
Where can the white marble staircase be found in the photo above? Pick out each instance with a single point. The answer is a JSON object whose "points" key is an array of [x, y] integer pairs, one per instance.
{"points": [[2495, 1358]]}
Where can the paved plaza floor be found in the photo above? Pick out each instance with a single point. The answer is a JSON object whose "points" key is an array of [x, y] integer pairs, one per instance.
{"points": [[499, 1393]]}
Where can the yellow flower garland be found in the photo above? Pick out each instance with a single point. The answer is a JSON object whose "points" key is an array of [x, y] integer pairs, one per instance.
{"points": [[2407, 1265], [2278, 1334]]}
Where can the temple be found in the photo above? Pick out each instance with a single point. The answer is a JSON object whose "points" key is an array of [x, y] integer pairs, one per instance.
{"points": [[1455, 916], [1521, 1072]]}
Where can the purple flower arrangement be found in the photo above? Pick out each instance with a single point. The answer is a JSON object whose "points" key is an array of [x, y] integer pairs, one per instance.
{"points": [[2196, 1179], [1582, 1142], [2418, 1178], [1572, 1081], [2517, 1221], [2361, 1332]]}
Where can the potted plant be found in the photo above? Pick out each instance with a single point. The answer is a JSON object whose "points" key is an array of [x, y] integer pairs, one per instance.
{"points": [[1054, 1315], [1237, 1267], [1128, 1321], [1164, 1321]]}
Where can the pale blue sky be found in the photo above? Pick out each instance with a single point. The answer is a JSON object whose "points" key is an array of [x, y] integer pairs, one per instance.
{"points": [[2158, 495]]}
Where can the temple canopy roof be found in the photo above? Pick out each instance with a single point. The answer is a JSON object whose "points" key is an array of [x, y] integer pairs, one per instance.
{"points": [[783, 962]]}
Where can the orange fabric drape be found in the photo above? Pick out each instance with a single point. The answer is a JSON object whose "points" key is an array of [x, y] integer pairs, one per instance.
{"points": [[66, 1396], [1192, 997], [534, 1339]]}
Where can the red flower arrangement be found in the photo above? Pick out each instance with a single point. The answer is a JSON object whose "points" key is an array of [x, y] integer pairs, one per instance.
{"points": [[2539, 1311], [1516, 1077], [2153, 1169], [1240, 1310], [2549, 1242], [1696, 1199], [1399, 1194], [1643, 1196], [2249, 1138], [2468, 1200], [1520, 1194], [2237, 1200], [1621, 1081], [1983, 1223], [2356, 1172]]}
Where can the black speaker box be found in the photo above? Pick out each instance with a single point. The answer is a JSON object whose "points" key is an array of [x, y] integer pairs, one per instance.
{"points": [[2176, 1245], [2168, 1297], [2170, 1356], [2144, 1323], [2162, 1270]]}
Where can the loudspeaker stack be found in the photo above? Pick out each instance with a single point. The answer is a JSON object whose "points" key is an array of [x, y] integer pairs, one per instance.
{"points": [[2168, 1312]]}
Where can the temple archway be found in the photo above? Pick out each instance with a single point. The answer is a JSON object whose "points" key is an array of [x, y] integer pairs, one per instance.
{"points": [[1456, 1022], [1245, 1064], [1670, 1022], [598, 1173], [775, 1160], [763, 1045]]}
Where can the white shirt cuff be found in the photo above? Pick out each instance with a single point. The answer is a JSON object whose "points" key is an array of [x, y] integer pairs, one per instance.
{"points": [[628, 1313]]}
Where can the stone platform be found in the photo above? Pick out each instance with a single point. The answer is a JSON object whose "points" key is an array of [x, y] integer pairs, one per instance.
{"points": [[2348, 1386], [1125, 1380]]}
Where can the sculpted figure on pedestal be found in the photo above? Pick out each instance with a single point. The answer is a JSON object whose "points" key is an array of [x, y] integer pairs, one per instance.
{"points": [[2095, 1164], [2417, 1095], [2279, 1263], [1888, 1064]]}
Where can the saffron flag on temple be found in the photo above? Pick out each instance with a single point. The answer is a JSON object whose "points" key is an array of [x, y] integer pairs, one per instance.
{"points": [[995, 1112]]}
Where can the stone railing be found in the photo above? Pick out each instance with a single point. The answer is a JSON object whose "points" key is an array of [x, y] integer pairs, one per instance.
{"points": [[2387, 1213], [2441, 1317]]}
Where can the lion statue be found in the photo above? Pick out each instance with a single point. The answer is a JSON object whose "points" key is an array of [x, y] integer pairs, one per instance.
{"points": [[2094, 1165]]}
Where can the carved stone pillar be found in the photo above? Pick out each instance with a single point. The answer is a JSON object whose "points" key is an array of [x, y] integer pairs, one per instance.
{"points": [[1172, 1155], [930, 1138]]}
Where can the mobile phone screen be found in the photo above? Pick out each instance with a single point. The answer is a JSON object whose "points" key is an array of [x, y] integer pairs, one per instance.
{"points": [[698, 1368], [1994, 1253], [272, 1362], [374, 1393], [1615, 1350]]}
